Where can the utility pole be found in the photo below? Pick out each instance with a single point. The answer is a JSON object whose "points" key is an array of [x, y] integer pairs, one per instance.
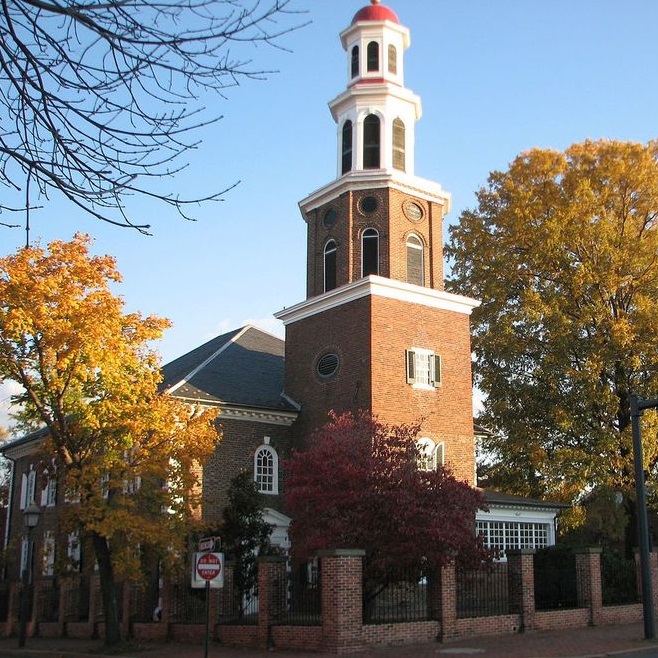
{"points": [[638, 405]]}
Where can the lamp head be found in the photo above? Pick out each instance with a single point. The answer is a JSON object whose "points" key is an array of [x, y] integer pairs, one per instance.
{"points": [[31, 515]]}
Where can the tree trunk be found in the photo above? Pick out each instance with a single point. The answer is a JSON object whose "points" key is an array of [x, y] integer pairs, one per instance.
{"points": [[108, 590]]}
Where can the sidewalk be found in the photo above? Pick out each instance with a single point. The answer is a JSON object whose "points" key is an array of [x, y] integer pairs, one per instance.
{"points": [[570, 643]]}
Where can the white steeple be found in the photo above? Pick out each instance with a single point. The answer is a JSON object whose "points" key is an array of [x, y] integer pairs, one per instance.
{"points": [[376, 115]]}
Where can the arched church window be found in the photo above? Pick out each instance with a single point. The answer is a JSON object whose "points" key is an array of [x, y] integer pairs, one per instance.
{"points": [[347, 147], [415, 270], [399, 145], [355, 61], [371, 142], [330, 265], [369, 252], [392, 60], [373, 56], [266, 469]]}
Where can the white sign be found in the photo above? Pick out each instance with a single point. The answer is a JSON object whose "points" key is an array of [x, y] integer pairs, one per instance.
{"points": [[208, 568]]}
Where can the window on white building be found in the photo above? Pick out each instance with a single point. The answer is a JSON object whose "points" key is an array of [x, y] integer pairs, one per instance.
{"points": [[266, 468], [423, 368], [504, 535]]}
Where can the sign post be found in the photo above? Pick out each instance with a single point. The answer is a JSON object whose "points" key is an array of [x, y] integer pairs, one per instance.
{"points": [[208, 572]]}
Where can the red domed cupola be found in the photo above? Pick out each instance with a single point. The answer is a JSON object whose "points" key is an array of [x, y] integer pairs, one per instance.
{"points": [[375, 12]]}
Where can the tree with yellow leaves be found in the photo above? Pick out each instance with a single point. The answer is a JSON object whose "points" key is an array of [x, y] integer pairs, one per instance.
{"points": [[562, 249], [123, 452]]}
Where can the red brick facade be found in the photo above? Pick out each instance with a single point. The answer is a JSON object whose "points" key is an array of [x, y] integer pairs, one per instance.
{"points": [[370, 336], [393, 224]]}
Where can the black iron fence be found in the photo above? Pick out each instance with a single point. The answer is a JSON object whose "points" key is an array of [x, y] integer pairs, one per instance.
{"points": [[618, 579], [408, 598], [296, 595], [556, 585], [483, 592], [75, 601]]}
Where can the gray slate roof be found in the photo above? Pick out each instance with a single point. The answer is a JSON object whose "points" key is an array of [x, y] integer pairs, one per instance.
{"points": [[244, 367], [500, 499]]}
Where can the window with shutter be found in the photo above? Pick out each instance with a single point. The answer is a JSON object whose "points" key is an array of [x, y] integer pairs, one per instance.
{"points": [[423, 368], [399, 147], [415, 269]]}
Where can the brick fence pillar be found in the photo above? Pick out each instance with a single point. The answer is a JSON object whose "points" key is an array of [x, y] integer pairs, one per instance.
{"points": [[271, 595], [588, 582], [521, 574], [341, 572], [447, 593]]}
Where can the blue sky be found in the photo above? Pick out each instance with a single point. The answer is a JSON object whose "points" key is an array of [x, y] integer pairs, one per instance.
{"points": [[496, 77]]}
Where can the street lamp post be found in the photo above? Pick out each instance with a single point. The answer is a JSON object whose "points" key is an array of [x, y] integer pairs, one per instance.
{"points": [[638, 405], [30, 519]]}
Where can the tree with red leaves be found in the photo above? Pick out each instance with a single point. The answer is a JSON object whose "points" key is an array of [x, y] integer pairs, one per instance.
{"points": [[359, 486]]}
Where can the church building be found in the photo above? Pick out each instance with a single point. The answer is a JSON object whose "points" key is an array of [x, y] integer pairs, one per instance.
{"points": [[377, 331]]}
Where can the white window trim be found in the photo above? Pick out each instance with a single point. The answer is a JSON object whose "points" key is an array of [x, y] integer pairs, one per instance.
{"points": [[433, 453], [28, 487], [266, 447], [423, 360]]}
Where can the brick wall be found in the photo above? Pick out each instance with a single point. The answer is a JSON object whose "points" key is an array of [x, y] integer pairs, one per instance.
{"points": [[370, 336], [393, 226], [235, 453]]}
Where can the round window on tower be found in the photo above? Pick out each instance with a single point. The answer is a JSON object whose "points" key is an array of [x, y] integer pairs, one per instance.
{"points": [[368, 204], [330, 218], [412, 210], [327, 365]]}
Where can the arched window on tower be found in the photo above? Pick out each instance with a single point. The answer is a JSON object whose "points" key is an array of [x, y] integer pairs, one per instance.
{"points": [[355, 61], [392, 60], [371, 143], [369, 252], [415, 270], [330, 265], [399, 145], [373, 56], [347, 148]]}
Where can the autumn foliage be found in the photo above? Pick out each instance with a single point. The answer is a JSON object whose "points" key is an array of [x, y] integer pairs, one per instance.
{"points": [[561, 250], [358, 486], [122, 452]]}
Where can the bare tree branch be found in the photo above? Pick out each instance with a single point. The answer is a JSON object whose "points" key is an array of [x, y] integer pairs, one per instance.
{"points": [[99, 99]]}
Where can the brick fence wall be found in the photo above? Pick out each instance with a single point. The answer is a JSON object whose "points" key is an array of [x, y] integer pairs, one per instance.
{"points": [[342, 630]]}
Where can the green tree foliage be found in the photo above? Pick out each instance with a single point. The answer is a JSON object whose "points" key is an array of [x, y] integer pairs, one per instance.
{"points": [[245, 536], [90, 376], [358, 485], [562, 251]]}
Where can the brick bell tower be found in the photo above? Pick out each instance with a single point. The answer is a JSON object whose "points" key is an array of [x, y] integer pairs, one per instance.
{"points": [[377, 331]]}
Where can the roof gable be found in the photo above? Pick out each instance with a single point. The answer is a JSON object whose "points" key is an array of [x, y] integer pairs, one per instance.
{"points": [[244, 367]]}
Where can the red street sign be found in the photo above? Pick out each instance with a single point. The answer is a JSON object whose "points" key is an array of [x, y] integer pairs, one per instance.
{"points": [[208, 566]]}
